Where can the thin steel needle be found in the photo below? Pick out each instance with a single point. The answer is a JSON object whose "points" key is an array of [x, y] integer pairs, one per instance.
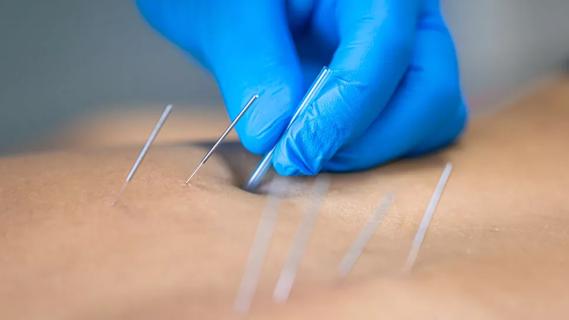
{"points": [[290, 268], [427, 217], [222, 137], [365, 235], [144, 149], [260, 246]]}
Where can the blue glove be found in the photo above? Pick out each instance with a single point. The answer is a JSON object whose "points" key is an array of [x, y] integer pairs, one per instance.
{"points": [[394, 91]]}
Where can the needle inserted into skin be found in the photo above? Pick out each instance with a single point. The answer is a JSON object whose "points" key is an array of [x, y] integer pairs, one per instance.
{"points": [[365, 235], [300, 241], [427, 217], [144, 150], [263, 167], [222, 137], [260, 247]]}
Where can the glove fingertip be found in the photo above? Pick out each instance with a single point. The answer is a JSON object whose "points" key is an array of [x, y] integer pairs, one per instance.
{"points": [[295, 157], [262, 125]]}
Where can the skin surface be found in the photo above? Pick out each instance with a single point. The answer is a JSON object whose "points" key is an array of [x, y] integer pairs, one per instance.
{"points": [[498, 246]]}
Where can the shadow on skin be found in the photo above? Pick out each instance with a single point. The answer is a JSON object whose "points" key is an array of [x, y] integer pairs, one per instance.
{"points": [[241, 164], [239, 161]]}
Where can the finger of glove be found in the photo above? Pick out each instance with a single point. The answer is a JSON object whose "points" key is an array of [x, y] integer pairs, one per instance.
{"points": [[255, 54], [445, 135], [425, 101], [249, 50], [374, 51], [175, 20]]}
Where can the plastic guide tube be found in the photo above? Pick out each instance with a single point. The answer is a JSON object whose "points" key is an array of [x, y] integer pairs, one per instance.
{"points": [[263, 167]]}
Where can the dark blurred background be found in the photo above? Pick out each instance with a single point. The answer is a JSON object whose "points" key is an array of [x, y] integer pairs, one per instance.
{"points": [[63, 59]]}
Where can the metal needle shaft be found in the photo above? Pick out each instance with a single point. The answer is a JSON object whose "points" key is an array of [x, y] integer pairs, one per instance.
{"points": [[364, 236], [260, 246], [300, 241], [223, 136], [427, 217], [144, 150]]}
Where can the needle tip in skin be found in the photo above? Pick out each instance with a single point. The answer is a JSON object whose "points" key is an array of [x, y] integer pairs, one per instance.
{"points": [[123, 187], [194, 173]]}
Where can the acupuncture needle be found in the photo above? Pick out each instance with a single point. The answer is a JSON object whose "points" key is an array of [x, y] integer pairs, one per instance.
{"points": [[427, 217], [223, 136], [357, 248], [264, 165], [260, 246], [144, 150], [300, 241]]}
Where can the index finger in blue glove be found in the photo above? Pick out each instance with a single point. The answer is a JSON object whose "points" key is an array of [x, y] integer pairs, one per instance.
{"points": [[248, 48], [258, 56], [376, 41]]}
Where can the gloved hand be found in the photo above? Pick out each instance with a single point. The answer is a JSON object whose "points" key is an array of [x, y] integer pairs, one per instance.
{"points": [[394, 90]]}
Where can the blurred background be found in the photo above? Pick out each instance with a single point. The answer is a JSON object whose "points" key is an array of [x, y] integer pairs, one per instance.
{"points": [[64, 59]]}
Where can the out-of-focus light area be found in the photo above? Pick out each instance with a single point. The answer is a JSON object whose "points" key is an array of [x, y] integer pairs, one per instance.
{"points": [[64, 59]]}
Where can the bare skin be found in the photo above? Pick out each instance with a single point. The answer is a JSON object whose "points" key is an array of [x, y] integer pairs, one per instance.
{"points": [[498, 246]]}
